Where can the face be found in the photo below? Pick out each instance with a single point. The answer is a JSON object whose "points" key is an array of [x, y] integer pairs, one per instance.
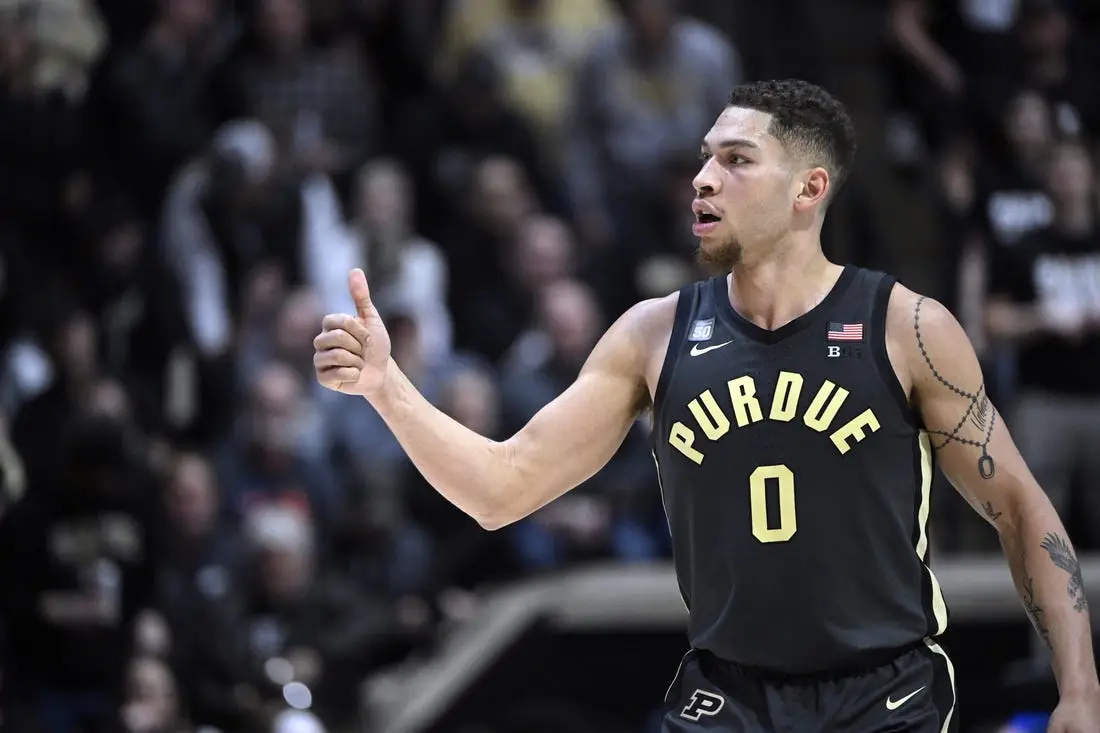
{"points": [[282, 22], [151, 683], [384, 198], [276, 404], [502, 195], [192, 498], [1028, 123], [283, 572], [542, 253], [571, 318], [472, 400], [297, 321], [1071, 176], [750, 192], [76, 346]]}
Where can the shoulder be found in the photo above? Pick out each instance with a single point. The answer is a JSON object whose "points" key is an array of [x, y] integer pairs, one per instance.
{"points": [[911, 315], [636, 343], [921, 333], [647, 324]]}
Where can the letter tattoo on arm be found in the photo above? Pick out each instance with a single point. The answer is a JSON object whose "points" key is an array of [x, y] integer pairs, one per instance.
{"points": [[979, 412], [1031, 605], [1061, 554]]}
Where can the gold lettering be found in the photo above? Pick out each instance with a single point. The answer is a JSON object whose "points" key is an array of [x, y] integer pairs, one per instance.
{"points": [[713, 421], [819, 416], [681, 437], [785, 402], [746, 408], [854, 430]]}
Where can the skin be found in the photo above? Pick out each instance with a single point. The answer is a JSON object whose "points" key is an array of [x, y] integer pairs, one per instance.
{"points": [[771, 202]]}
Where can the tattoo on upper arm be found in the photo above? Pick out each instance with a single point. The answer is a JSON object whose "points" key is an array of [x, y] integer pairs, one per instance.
{"points": [[980, 412], [1062, 555], [992, 514]]}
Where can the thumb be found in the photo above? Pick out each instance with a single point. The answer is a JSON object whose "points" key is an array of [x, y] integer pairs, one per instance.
{"points": [[360, 293]]}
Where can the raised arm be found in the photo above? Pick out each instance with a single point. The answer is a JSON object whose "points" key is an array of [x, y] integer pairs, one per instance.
{"points": [[496, 482], [977, 453]]}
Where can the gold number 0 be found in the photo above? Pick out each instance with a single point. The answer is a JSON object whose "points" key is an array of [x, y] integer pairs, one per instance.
{"points": [[758, 497]]}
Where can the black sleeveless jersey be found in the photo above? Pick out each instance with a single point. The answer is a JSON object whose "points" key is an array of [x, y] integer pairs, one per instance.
{"points": [[796, 481]]}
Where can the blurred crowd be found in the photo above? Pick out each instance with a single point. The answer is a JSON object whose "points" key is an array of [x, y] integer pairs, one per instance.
{"points": [[196, 535]]}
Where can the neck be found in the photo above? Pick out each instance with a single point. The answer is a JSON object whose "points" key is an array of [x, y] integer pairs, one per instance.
{"points": [[779, 289], [1075, 218]]}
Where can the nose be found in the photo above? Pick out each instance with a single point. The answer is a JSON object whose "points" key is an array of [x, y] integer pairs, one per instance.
{"points": [[706, 180]]}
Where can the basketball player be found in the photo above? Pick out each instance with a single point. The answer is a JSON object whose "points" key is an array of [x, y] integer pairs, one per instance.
{"points": [[797, 408]]}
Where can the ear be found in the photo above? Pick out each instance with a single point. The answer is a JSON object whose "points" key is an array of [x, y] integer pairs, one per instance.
{"points": [[815, 188]]}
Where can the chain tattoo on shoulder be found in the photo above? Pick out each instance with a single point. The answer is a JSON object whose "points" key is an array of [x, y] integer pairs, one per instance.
{"points": [[979, 412]]}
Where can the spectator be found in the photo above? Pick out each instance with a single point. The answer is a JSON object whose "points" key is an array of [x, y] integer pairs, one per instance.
{"points": [[42, 141], [269, 461], [538, 45], [320, 107], [542, 253], [648, 88], [70, 341], [610, 513], [78, 558], [407, 271], [294, 610], [200, 560], [465, 556], [1046, 300], [154, 107], [136, 301], [152, 700], [447, 138]]}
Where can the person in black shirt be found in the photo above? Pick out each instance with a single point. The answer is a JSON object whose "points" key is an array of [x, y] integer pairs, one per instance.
{"points": [[76, 565], [1046, 300], [796, 407]]}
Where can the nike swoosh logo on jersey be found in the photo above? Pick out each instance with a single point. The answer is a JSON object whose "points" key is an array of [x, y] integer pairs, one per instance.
{"points": [[892, 704], [696, 351]]}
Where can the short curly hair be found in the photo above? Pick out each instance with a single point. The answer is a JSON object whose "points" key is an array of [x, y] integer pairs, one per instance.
{"points": [[807, 120]]}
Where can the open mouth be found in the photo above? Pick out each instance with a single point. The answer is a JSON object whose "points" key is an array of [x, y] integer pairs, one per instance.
{"points": [[706, 218]]}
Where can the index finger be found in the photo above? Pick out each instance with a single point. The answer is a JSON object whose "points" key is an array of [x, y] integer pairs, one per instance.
{"points": [[344, 322]]}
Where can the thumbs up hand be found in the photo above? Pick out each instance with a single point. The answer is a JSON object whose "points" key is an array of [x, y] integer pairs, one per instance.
{"points": [[352, 352]]}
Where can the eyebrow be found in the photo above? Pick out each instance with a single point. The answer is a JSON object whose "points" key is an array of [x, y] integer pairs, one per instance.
{"points": [[732, 143]]}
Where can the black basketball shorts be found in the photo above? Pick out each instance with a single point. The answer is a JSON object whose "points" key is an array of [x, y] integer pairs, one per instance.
{"points": [[912, 693]]}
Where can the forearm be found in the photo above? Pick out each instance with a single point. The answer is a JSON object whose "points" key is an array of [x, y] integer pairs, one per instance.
{"points": [[469, 470], [1048, 578]]}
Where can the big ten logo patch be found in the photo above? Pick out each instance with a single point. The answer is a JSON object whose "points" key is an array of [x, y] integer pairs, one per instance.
{"points": [[837, 351]]}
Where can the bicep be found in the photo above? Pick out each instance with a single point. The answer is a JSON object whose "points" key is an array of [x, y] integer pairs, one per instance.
{"points": [[973, 445]]}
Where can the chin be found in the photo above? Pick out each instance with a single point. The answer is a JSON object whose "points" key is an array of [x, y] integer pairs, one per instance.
{"points": [[718, 256]]}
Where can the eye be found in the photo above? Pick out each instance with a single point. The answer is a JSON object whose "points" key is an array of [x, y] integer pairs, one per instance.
{"points": [[704, 157], [738, 160]]}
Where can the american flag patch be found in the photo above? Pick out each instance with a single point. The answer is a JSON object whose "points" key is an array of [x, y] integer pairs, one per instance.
{"points": [[844, 331]]}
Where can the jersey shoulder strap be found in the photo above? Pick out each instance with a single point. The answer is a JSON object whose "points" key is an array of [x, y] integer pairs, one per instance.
{"points": [[684, 326], [877, 287]]}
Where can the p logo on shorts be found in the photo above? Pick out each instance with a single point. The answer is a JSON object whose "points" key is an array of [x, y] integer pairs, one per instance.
{"points": [[702, 704]]}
